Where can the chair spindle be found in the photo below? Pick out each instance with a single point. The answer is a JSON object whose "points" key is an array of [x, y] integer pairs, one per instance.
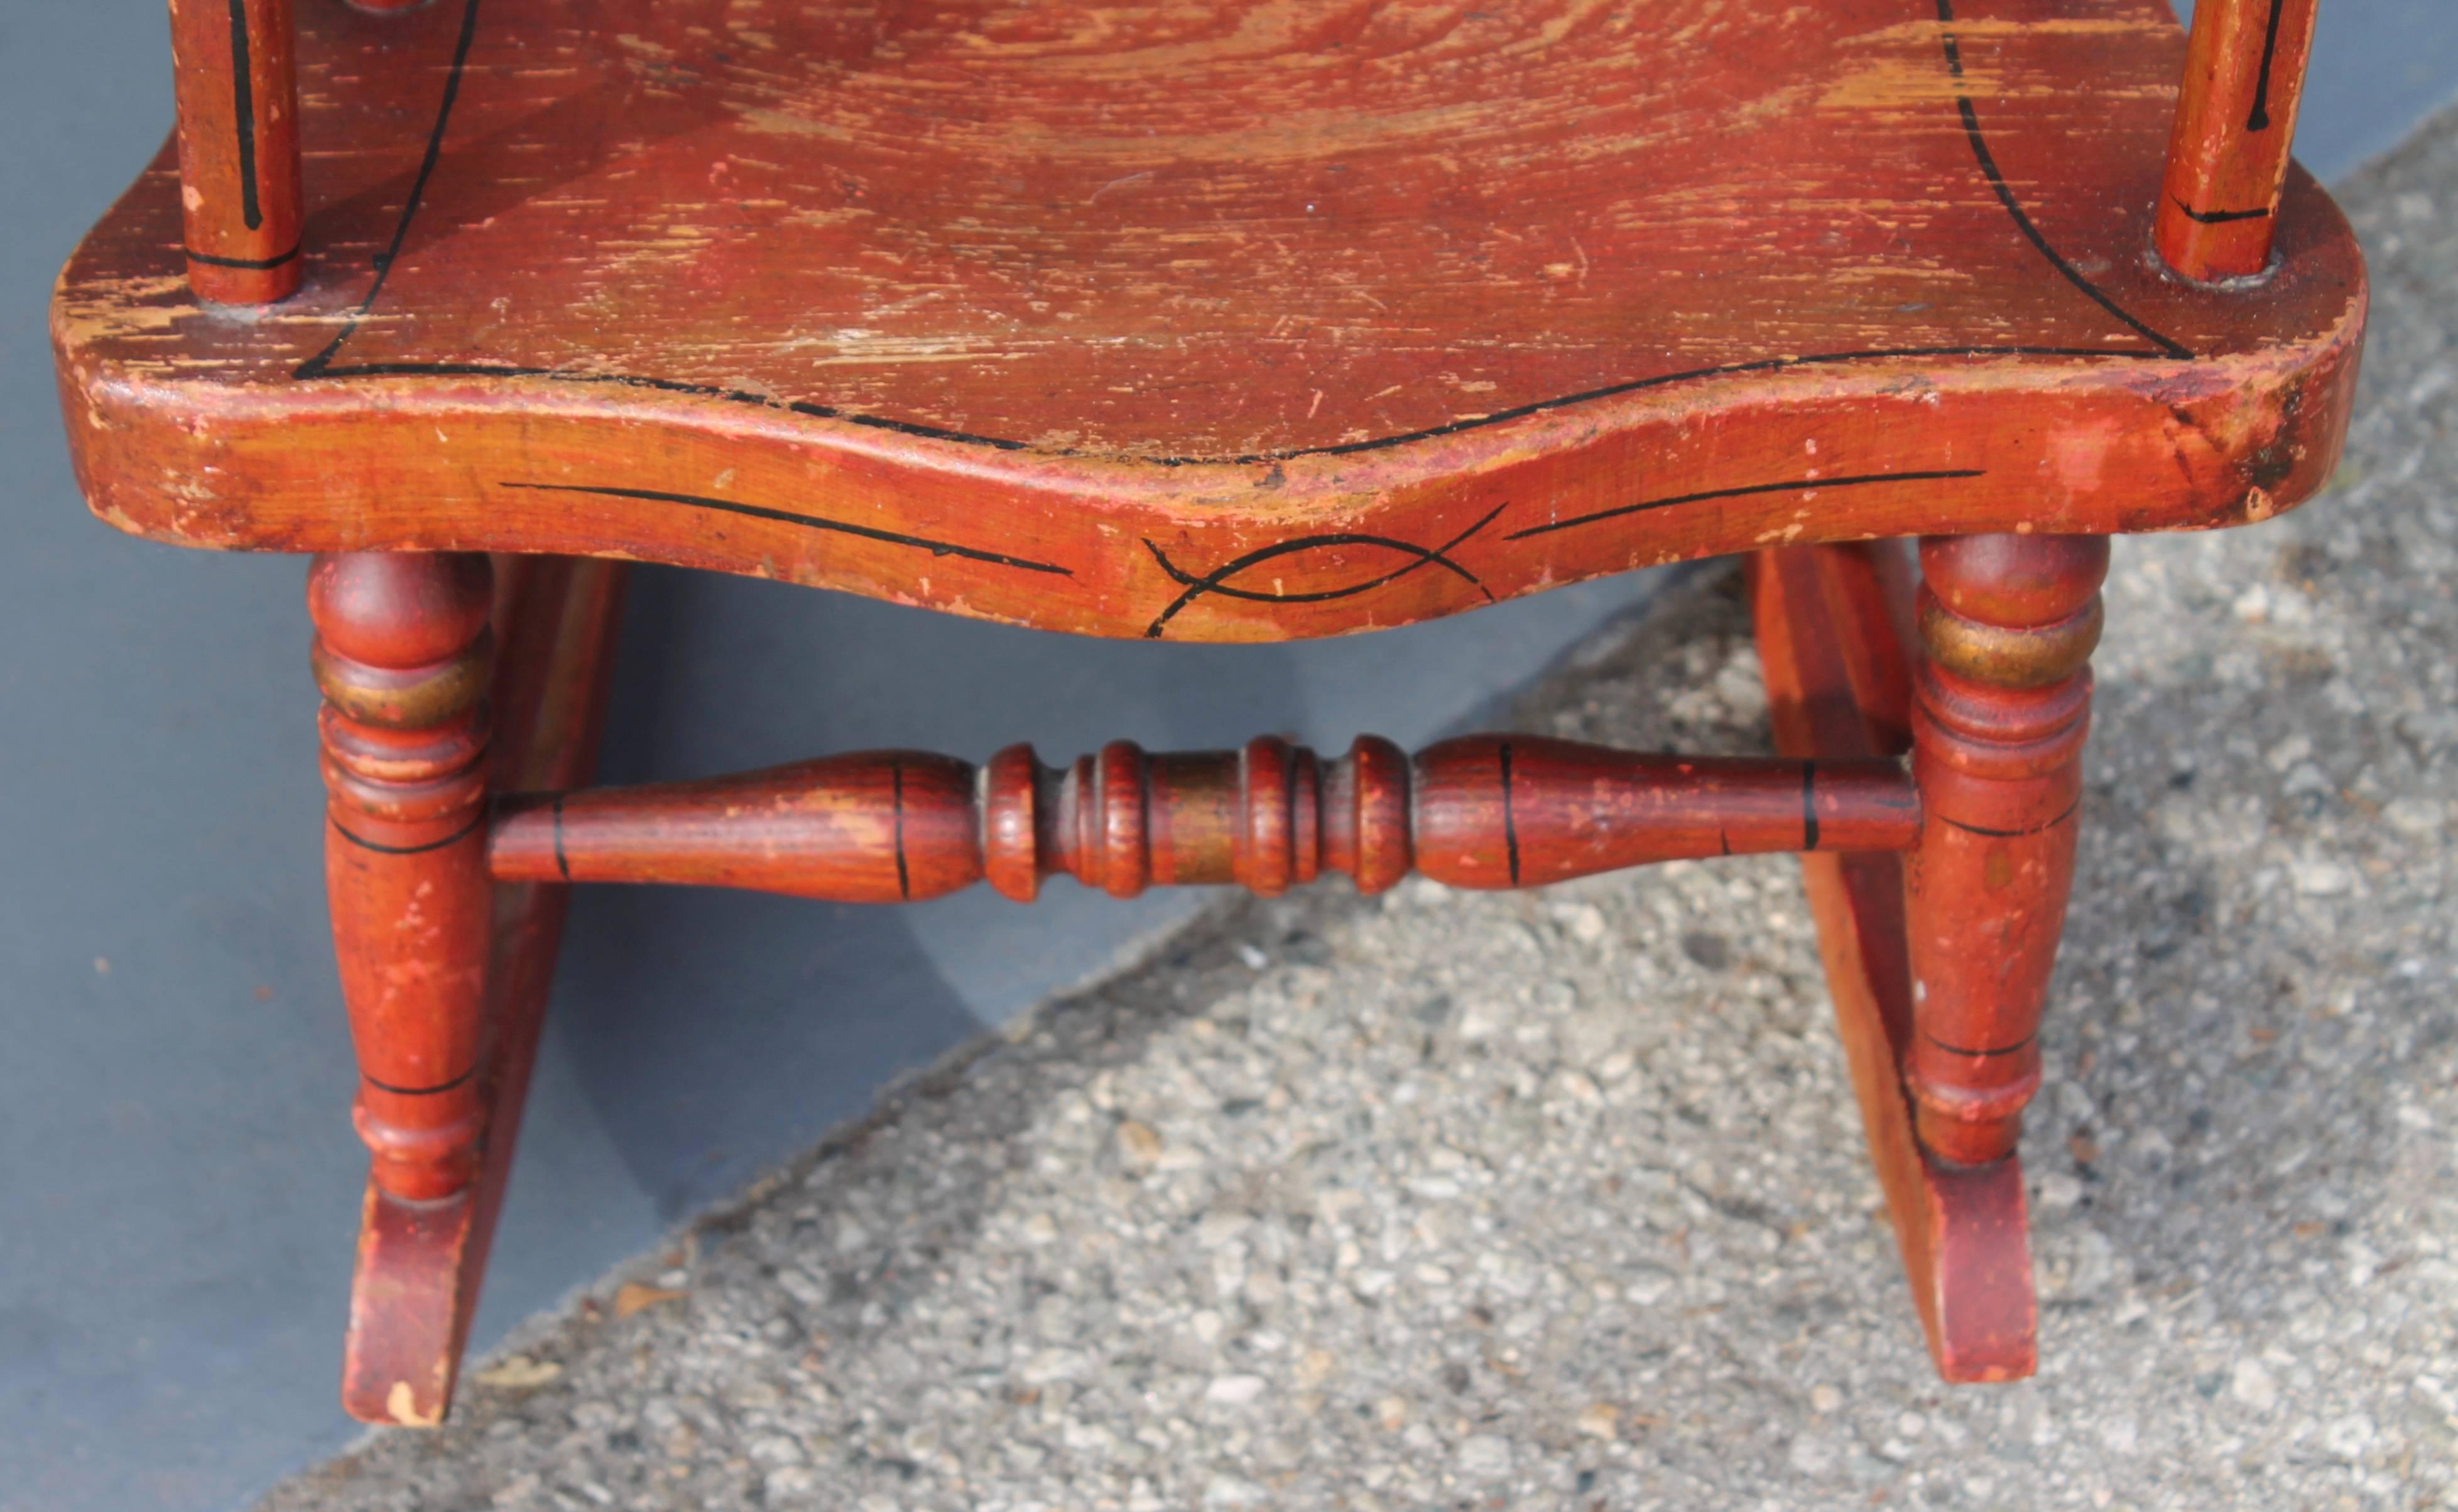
{"points": [[237, 74], [1488, 811], [2235, 117]]}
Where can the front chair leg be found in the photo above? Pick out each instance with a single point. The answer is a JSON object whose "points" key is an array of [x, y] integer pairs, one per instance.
{"points": [[402, 656], [2000, 712], [445, 972]]}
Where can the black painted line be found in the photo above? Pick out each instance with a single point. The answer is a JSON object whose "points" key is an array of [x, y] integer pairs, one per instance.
{"points": [[427, 163], [562, 862], [1769, 365], [244, 114], [1215, 581], [809, 520], [473, 370], [315, 366], [254, 265], [1809, 805], [2218, 217], [1788, 485], [908, 427], [1197, 586], [904, 876], [1509, 822], [666, 385], [1989, 169], [320, 368], [1307, 543], [2259, 119], [2015, 835], [421, 1091], [453, 839], [1957, 1049]]}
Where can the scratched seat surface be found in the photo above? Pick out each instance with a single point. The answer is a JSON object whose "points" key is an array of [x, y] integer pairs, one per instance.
{"points": [[1212, 321]]}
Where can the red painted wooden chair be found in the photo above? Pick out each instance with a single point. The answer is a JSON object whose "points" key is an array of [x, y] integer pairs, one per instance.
{"points": [[1210, 322]]}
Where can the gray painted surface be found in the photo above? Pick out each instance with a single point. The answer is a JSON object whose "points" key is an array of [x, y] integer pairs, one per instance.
{"points": [[179, 1189]]}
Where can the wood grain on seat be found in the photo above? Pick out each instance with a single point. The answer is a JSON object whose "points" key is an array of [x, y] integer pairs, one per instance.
{"points": [[1212, 321]]}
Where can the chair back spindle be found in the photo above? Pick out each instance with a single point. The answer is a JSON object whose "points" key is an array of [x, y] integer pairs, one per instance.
{"points": [[2236, 117], [237, 84]]}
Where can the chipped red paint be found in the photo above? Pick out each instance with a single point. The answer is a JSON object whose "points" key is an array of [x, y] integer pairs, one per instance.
{"points": [[1210, 322]]}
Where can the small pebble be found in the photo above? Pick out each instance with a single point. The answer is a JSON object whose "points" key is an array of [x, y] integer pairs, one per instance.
{"points": [[1233, 1391]]}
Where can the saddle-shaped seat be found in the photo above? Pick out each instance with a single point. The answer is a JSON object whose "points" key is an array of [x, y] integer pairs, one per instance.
{"points": [[1208, 322]]}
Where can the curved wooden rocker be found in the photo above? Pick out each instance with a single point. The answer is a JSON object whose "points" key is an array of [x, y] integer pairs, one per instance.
{"points": [[1211, 323]]}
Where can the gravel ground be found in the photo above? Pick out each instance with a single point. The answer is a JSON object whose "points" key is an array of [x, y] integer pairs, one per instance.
{"points": [[1559, 1199]]}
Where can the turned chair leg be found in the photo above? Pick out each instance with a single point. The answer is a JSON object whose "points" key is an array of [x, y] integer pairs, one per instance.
{"points": [[2001, 710], [402, 656], [446, 973]]}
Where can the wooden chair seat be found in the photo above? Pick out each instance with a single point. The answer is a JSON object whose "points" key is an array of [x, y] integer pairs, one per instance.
{"points": [[1211, 322]]}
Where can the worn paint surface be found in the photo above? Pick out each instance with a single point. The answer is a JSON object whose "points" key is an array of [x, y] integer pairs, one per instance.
{"points": [[1210, 322], [419, 1263]]}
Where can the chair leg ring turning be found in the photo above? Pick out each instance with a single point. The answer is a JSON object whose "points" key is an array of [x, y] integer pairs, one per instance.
{"points": [[1999, 718]]}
